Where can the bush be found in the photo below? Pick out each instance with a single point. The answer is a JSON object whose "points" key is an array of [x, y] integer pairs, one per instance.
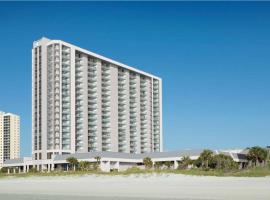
{"points": [[198, 163], [148, 163], [4, 170], [158, 165], [223, 162]]}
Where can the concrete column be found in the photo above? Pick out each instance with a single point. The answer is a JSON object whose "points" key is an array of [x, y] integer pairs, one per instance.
{"points": [[175, 164], [105, 166], [8, 171], [52, 167], [24, 168], [19, 170], [118, 166], [14, 170]]}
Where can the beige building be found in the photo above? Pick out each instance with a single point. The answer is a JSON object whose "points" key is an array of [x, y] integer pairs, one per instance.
{"points": [[9, 137], [83, 102]]}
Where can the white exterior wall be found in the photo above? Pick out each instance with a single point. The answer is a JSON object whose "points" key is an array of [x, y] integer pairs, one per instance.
{"points": [[113, 97], [99, 109]]}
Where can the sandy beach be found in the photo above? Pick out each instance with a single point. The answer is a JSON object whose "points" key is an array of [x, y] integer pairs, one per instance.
{"points": [[135, 187]]}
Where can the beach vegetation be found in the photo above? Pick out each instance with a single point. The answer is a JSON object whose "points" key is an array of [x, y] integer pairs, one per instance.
{"points": [[148, 163], [73, 161], [257, 156]]}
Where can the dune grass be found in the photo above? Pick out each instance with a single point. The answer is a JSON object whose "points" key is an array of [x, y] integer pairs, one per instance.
{"points": [[252, 172]]}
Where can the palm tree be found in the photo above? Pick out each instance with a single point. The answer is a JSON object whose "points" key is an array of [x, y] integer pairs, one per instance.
{"points": [[148, 162], [73, 161], [98, 159], [206, 156], [96, 165], [185, 162], [84, 165], [257, 155]]}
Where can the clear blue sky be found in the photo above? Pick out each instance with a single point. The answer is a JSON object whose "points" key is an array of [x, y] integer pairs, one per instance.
{"points": [[214, 59]]}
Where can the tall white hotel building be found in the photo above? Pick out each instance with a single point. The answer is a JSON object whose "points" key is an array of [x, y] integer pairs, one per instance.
{"points": [[84, 102]]}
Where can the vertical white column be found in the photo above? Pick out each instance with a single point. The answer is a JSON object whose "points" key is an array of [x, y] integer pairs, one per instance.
{"points": [[138, 102], [114, 108], [127, 113], [72, 100], [85, 103], [99, 106], [44, 99], [149, 116], [175, 164], [160, 116]]}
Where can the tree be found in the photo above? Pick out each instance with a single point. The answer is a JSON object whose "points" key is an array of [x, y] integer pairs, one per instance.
{"points": [[257, 155], [98, 159], [148, 163], [73, 161], [185, 162], [96, 165], [205, 157]]}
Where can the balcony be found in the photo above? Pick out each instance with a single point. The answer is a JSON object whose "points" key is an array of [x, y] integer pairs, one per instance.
{"points": [[79, 74], [106, 90], [65, 130], [65, 62], [121, 78], [106, 125]]}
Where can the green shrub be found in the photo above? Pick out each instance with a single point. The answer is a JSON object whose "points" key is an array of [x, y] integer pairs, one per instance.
{"points": [[148, 163], [4, 170]]}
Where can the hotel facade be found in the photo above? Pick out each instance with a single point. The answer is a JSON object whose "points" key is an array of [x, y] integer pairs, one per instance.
{"points": [[83, 102], [9, 137], [87, 106]]}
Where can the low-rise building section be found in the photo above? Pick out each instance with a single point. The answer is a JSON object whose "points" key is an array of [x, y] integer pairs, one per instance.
{"points": [[110, 161]]}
